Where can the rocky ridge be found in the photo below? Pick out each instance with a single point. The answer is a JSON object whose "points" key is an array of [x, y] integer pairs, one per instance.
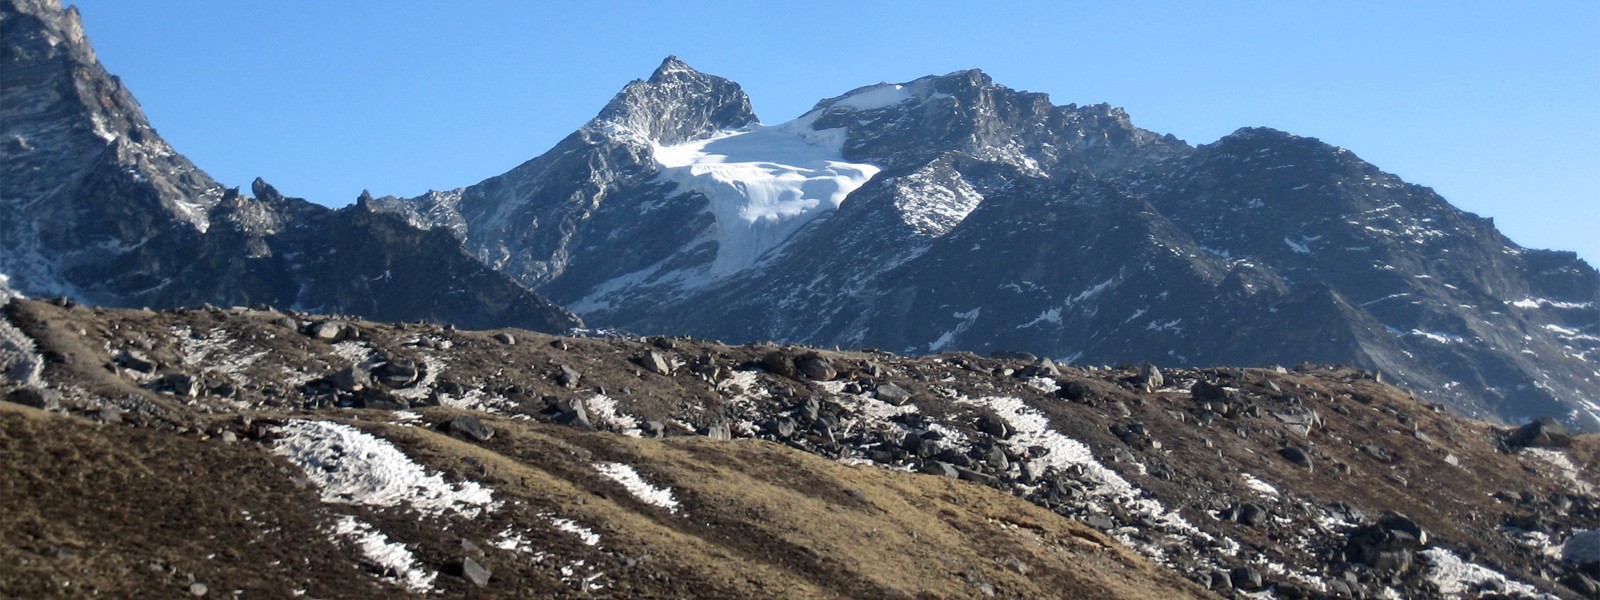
{"points": [[1315, 481], [995, 220]]}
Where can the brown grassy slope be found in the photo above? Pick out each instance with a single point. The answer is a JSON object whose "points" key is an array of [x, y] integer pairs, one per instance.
{"points": [[131, 513]]}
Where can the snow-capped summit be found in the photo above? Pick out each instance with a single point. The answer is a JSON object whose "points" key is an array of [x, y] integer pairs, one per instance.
{"points": [[951, 212]]}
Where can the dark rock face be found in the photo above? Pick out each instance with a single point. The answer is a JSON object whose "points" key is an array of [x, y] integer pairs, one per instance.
{"points": [[108, 213]]}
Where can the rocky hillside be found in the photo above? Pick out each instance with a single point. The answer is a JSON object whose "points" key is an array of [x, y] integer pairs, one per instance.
{"points": [[99, 208], [214, 450]]}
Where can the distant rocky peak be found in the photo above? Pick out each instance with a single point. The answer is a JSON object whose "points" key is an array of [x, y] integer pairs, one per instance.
{"points": [[64, 114], [676, 104], [673, 67]]}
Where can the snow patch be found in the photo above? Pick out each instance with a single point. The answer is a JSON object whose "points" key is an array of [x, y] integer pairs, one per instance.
{"points": [[604, 408], [586, 535], [351, 466], [20, 361], [1048, 385], [1032, 428], [1458, 578], [1562, 464], [393, 557], [1254, 483], [875, 97], [636, 485]]}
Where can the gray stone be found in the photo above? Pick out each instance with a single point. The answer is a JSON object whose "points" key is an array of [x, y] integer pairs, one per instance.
{"points": [[471, 428], [396, 373], [815, 367], [135, 360], [109, 414], [1297, 456], [782, 427], [1545, 432], [1245, 578], [328, 331], [506, 338], [1251, 515], [474, 572], [720, 431], [653, 428], [935, 467], [809, 409], [893, 394], [1101, 522], [573, 413], [46, 399], [993, 426], [1150, 376], [654, 362], [1076, 391], [197, 589], [350, 379], [178, 384], [976, 476], [568, 377]]}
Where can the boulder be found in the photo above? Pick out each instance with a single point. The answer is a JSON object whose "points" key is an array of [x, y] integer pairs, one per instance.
{"points": [[815, 367], [506, 338], [328, 331], [1076, 391], [474, 572], [1297, 456], [893, 394], [778, 363], [1544, 432], [397, 373], [177, 384], [568, 377], [350, 379], [1388, 545], [654, 362], [1205, 391], [1582, 547], [934, 467], [471, 428], [1150, 377], [993, 426], [134, 360], [1245, 578]]}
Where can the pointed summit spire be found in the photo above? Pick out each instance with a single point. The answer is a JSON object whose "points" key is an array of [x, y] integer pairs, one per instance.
{"points": [[672, 65], [677, 104]]}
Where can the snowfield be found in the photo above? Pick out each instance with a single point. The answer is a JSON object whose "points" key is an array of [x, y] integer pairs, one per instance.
{"points": [[764, 183]]}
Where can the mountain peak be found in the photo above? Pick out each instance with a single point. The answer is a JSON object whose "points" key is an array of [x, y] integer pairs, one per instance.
{"points": [[675, 105], [671, 66]]}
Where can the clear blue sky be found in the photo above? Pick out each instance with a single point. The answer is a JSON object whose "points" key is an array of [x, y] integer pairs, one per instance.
{"points": [[1494, 104]]}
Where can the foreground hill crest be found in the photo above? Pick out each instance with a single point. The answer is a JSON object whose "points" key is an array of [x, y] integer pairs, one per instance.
{"points": [[364, 458]]}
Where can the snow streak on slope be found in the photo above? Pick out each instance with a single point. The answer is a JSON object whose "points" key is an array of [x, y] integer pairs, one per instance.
{"points": [[351, 466], [764, 184]]}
